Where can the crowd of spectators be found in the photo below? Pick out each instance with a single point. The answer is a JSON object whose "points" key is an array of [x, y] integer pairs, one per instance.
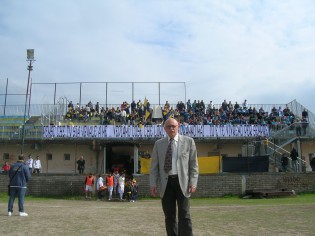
{"points": [[191, 113]]}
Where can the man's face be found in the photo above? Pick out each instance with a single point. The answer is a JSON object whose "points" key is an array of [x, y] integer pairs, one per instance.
{"points": [[171, 127]]}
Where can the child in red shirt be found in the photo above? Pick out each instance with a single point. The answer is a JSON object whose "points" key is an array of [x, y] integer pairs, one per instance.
{"points": [[6, 167]]}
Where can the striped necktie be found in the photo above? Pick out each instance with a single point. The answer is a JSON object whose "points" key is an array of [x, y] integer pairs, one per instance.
{"points": [[168, 157]]}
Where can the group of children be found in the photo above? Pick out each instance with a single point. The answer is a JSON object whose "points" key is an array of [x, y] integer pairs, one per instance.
{"points": [[113, 184]]}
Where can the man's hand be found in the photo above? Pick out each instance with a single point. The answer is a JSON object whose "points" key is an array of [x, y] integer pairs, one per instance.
{"points": [[153, 191], [192, 189]]}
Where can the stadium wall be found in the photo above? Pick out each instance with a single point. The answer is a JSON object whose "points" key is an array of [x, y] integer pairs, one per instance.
{"points": [[59, 164], [216, 185]]}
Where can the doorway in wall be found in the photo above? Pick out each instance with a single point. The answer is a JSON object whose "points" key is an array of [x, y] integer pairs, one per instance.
{"points": [[120, 157]]}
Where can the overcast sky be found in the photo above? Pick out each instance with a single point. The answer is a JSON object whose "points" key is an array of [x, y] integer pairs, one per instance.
{"points": [[262, 51]]}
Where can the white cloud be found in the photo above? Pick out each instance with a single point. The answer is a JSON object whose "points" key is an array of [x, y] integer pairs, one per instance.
{"points": [[259, 50]]}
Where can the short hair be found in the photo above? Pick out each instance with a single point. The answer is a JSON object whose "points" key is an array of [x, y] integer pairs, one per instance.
{"points": [[21, 157]]}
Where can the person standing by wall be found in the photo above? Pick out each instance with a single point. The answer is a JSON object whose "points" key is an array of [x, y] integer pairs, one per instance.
{"points": [[116, 178], [174, 164], [121, 188], [37, 165], [29, 162], [294, 155], [100, 187], [257, 146], [89, 182], [312, 162], [110, 185], [304, 124], [298, 127], [134, 190], [19, 175], [266, 141], [284, 162], [81, 165]]}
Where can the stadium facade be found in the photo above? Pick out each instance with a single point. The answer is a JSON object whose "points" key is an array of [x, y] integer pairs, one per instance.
{"points": [[59, 142]]}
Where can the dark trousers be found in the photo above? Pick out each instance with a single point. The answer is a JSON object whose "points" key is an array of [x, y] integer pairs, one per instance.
{"points": [[173, 194], [100, 194]]}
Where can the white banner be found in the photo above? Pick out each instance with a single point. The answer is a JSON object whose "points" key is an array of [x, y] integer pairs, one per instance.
{"points": [[153, 131]]}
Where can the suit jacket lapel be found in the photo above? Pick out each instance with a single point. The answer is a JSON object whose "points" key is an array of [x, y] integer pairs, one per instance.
{"points": [[179, 146]]}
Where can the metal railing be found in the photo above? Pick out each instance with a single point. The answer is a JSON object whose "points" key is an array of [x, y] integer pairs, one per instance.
{"points": [[297, 110], [290, 133], [38, 109], [276, 152]]}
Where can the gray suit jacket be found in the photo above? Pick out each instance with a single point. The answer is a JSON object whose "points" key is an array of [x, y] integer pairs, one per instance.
{"points": [[187, 164]]}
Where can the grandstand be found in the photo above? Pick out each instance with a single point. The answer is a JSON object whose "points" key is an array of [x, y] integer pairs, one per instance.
{"points": [[228, 140]]}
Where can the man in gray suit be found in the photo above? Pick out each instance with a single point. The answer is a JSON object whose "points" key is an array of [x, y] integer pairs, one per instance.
{"points": [[176, 181]]}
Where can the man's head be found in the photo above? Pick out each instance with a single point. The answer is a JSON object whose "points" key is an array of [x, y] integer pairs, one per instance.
{"points": [[171, 127], [21, 157]]}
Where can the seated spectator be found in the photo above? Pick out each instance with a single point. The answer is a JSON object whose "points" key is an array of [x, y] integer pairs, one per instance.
{"points": [[133, 106], [230, 106], [127, 107], [193, 106], [123, 117], [280, 112], [117, 114], [236, 106], [209, 107], [139, 105], [202, 107], [69, 115], [188, 105], [88, 110], [249, 111], [244, 104], [224, 105], [97, 109], [274, 111], [134, 117], [70, 105], [180, 106], [167, 107], [305, 114], [111, 114], [261, 111], [6, 167]]}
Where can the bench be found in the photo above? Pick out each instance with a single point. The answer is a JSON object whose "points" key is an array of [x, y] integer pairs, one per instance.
{"points": [[268, 193]]}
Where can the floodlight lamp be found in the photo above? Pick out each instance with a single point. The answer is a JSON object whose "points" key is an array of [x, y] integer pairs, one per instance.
{"points": [[30, 54]]}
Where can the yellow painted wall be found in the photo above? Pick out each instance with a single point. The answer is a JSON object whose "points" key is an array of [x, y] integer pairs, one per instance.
{"points": [[207, 165]]}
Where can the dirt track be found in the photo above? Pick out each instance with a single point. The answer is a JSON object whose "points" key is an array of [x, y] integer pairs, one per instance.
{"points": [[75, 217]]}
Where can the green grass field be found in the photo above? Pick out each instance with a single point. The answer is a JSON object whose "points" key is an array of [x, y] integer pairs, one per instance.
{"points": [[212, 216]]}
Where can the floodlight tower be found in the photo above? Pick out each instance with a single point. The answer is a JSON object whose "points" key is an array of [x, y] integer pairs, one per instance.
{"points": [[30, 59]]}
